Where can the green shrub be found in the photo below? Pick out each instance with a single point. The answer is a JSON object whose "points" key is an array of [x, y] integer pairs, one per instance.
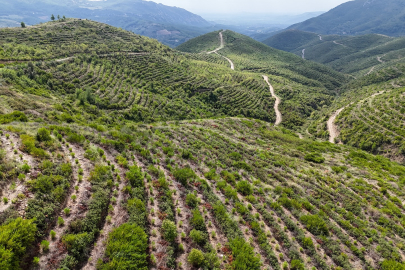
{"points": [[137, 212], [297, 265], [242, 165], [15, 237], [244, 188], [198, 237], [53, 234], [169, 230], [13, 117], [135, 177], [314, 157], [196, 257], [191, 200], [244, 255], [210, 175], [45, 245], [315, 224], [184, 175], [197, 220], [307, 243], [392, 265], [126, 248], [43, 135]]}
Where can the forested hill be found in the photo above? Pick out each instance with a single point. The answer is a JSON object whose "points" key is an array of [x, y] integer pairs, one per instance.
{"points": [[356, 55], [304, 86], [170, 25], [117, 152], [359, 17]]}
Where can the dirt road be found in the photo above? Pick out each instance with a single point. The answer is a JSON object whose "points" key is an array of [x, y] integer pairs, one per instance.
{"points": [[222, 45], [279, 117], [332, 128]]}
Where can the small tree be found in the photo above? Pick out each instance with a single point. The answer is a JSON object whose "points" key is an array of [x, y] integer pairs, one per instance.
{"points": [[58, 18], [169, 230], [22, 25], [196, 257], [52, 17], [64, 18]]}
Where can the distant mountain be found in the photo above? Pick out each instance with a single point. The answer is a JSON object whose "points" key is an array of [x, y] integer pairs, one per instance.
{"points": [[358, 17], [170, 25]]}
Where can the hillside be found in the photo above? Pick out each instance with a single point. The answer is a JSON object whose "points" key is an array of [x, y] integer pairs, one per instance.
{"points": [[356, 55], [269, 198], [170, 25], [370, 114], [117, 152], [302, 85], [359, 17]]}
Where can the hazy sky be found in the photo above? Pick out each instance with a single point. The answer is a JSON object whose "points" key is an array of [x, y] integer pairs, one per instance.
{"points": [[262, 6]]}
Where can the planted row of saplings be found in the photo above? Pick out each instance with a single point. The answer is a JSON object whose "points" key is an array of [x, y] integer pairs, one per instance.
{"points": [[49, 187], [238, 251], [170, 248], [342, 236], [357, 228], [82, 233], [321, 212], [200, 251], [246, 189], [127, 245]]}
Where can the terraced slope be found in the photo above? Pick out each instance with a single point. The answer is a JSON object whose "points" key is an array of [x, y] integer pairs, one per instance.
{"points": [[358, 55], [302, 85], [372, 114], [299, 208], [55, 40]]}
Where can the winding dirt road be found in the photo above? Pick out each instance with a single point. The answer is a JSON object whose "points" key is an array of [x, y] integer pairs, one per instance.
{"points": [[332, 128], [279, 117], [220, 48]]}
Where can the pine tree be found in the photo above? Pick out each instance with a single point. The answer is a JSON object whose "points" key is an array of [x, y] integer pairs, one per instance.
{"points": [[52, 17], [22, 24]]}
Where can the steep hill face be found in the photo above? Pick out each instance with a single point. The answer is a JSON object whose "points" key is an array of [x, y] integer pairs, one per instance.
{"points": [[371, 113], [356, 55], [359, 17], [170, 25], [303, 86]]}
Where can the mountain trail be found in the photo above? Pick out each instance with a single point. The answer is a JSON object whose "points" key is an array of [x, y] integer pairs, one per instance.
{"points": [[339, 43], [221, 37], [320, 37], [279, 117], [303, 54], [333, 131], [371, 70]]}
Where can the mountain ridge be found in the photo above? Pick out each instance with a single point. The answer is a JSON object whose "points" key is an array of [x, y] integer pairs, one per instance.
{"points": [[359, 17]]}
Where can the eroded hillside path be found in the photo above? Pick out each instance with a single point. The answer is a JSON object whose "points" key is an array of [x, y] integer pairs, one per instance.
{"points": [[332, 128], [279, 117], [221, 37]]}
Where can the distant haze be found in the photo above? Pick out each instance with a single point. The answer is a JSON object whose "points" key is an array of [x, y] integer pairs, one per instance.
{"points": [[253, 6]]}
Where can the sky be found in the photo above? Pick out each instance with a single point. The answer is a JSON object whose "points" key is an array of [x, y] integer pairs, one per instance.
{"points": [[253, 6]]}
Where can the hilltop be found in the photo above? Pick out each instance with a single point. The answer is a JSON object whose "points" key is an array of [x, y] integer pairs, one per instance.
{"points": [[170, 25], [358, 17]]}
